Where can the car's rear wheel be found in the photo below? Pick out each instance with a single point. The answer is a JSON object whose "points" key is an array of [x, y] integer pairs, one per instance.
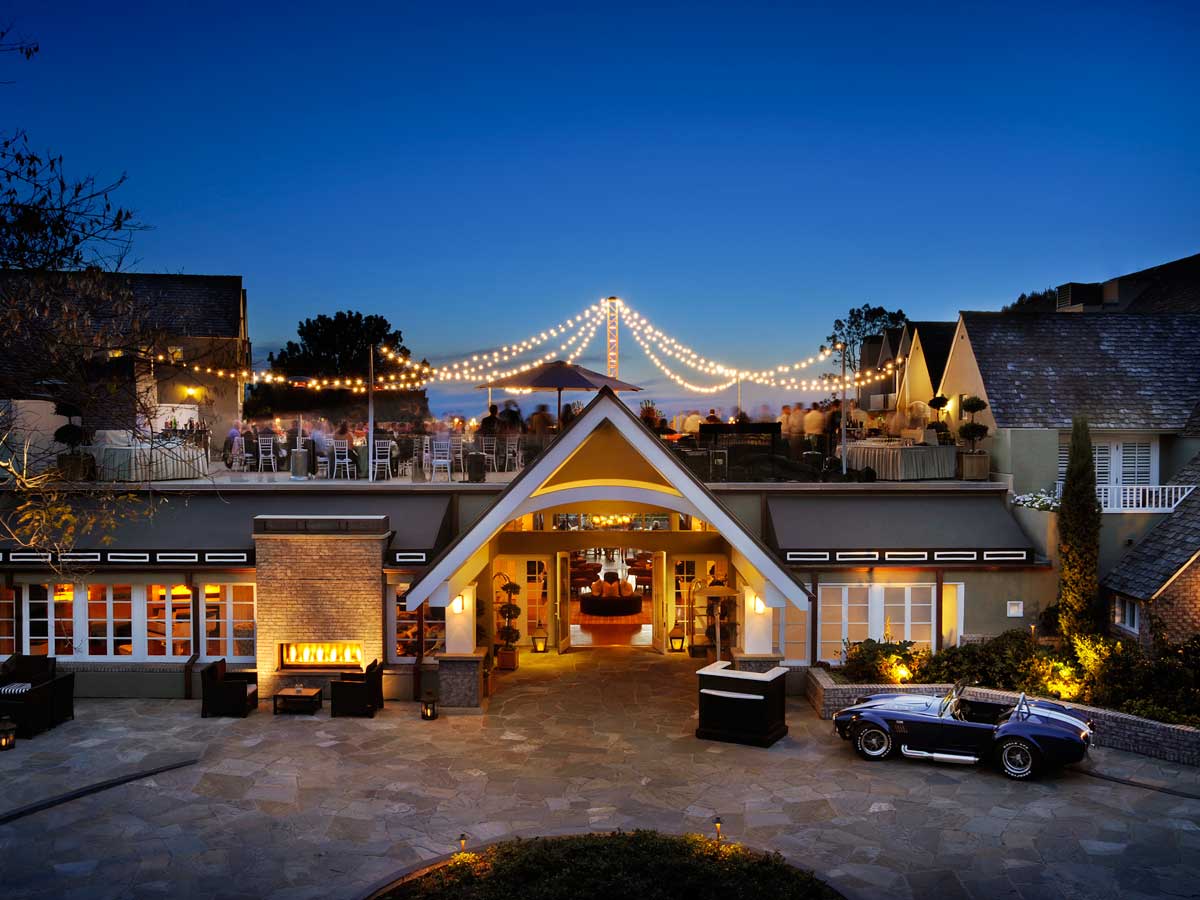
{"points": [[872, 742], [1018, 758]]}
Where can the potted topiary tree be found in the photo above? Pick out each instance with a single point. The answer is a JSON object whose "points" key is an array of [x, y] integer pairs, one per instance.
{"points": [[508, 656], [974, 464], [73, 465], [937, 404]]}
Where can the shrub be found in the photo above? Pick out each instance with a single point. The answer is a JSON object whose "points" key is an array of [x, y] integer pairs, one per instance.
{"points": [[1043, 500], [883, 662], [972, 432]]}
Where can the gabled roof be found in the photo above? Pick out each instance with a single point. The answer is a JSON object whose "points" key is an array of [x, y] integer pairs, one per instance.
{"points": [[1146, 570], [936, 339], [868, 354], [1120, 370], [569, 472]]}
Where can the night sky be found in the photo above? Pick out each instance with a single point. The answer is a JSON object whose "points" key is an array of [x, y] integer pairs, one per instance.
{"points": [[742, 175]]}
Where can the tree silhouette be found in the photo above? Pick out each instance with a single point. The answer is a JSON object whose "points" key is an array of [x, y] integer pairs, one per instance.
{"points": [[336, 346]]}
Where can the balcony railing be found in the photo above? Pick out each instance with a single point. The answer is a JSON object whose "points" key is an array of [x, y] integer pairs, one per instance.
{"points": [[1143, 498]]}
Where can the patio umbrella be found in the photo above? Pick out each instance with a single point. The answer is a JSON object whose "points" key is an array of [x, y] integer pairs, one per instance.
{"points": [[559, 376]]}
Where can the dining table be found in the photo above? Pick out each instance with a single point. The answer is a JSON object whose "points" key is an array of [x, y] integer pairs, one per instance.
{"points": [[894, 461]]}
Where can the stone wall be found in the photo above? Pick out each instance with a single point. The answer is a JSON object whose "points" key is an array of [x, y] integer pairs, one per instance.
{"points": [[313, 587], [1174, 743]]}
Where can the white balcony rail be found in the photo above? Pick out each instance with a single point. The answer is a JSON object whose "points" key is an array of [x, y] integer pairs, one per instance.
{"points": [[1143, 498]]}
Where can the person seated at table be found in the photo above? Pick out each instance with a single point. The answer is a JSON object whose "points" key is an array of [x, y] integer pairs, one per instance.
{"points": [[664, 428], [344, 433], [489, 424], [712, 418]]}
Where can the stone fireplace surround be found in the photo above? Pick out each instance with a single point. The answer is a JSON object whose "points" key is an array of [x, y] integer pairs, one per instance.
{"points": [[319, 578]]}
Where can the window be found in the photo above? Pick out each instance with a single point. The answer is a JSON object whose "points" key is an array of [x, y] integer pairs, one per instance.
{"points": [[535, 593], [844, 616], [792, 623], [1130, 461], [50, 619], [908, 614], [37, 619], [168, 621], [1135, 462], [229, 621], [1126, 613], [110, 620], [8, 621], [1016, 609]]}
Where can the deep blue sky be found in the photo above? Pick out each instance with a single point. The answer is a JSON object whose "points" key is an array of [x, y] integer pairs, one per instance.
{"points": [[742, 174]]}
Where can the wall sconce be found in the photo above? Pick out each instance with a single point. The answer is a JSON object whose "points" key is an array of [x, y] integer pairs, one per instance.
{"points": [[457, 605], [759, 606], [189, 392]]}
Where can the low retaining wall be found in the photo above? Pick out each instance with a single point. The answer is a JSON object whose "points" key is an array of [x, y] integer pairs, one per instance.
{"points": [[1120, 731]]}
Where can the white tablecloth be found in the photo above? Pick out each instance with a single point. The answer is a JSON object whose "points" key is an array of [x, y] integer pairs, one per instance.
{"points": [[893, 462], [150, 462]]}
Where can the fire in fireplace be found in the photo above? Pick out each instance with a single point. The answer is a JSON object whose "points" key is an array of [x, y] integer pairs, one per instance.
{"points": [[320, 655]]}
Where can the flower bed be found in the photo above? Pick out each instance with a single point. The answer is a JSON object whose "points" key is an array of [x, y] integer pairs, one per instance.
{"points": [[1121, 731], [642, 864]]}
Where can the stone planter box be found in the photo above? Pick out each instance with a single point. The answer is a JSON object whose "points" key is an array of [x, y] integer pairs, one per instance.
{"points": [[1120, 731]]}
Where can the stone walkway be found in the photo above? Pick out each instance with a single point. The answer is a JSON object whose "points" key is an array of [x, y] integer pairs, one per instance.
{"points": [[306, 806]]}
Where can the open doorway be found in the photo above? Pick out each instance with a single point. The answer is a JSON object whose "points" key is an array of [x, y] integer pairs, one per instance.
{"points": [[611, 597]]}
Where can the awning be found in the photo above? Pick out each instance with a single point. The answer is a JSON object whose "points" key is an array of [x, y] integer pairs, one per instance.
{"points": [[216, 528], [865, 527]]}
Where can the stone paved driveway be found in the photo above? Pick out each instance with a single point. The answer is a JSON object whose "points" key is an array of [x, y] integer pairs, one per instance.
{"points": [[313, 807]]}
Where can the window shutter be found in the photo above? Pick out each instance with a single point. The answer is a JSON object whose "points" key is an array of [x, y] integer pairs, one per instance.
{"points": [[1135, 462], [1064, 451], [1102, 457]]}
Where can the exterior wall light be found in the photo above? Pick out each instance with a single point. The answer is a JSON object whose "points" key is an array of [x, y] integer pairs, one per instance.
{"points": [[457, 606], [759, 606]]}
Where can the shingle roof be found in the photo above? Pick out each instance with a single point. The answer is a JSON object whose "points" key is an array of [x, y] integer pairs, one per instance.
{"points": [[936, 338], [1144, 570], [868, 354], [182, 305], [1121, 371], [1173, 287]]}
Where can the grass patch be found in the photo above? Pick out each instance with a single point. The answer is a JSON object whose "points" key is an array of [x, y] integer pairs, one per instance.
{"points": [[642, 864]]}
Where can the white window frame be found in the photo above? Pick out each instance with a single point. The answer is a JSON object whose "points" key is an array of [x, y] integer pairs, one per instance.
{"points": [[876, 611], [1113, 446], [168, 584], [228, 622], [871, 629], [906, 633], [81, 590], [52, 620], [11, 620], [784, 614], [1127, 615]]}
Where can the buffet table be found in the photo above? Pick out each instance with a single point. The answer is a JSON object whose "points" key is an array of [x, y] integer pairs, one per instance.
{"points": [[896, 462]]}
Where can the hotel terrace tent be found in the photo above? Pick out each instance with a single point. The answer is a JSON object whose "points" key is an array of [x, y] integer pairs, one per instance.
{"points": [[604, 456]]}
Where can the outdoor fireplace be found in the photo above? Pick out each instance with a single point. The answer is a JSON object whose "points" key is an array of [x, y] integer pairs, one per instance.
{"points": [[333, 655]]}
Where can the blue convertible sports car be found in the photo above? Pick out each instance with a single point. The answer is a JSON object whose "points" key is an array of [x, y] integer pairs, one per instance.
{"points": [[1023, 738]]}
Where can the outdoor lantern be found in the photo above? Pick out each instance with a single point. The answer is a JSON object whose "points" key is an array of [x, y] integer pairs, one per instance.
{"points": [[8, 735], [717, 825], [429, 708], [676, 638], [462, 842], [539, 636]]}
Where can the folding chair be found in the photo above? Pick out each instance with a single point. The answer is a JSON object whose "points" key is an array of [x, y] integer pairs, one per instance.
{"points": [[342, 461], [440, 459], [266, 452]]}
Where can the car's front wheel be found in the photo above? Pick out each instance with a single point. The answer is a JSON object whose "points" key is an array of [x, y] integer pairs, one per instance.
{"points": [[872, 742], [1018, 758]]}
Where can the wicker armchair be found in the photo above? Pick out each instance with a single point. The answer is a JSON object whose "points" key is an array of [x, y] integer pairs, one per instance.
{"points": [[357, 693], [27, 693], [226, 693]]}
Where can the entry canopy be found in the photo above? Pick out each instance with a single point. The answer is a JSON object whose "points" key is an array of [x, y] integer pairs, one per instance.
{"points": [[606, 455]]}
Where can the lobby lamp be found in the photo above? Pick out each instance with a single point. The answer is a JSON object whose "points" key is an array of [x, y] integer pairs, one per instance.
{"points": [[429, 707], [540, 637]]}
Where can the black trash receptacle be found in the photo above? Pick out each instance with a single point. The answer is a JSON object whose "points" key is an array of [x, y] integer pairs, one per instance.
{"points": [[476, 471], [742, 707]]}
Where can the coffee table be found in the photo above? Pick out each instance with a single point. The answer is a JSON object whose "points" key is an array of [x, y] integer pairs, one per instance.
{"points": [[297, 700]]}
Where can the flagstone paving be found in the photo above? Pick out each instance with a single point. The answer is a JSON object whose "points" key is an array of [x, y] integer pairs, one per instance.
{"points": [[308, 806]]}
